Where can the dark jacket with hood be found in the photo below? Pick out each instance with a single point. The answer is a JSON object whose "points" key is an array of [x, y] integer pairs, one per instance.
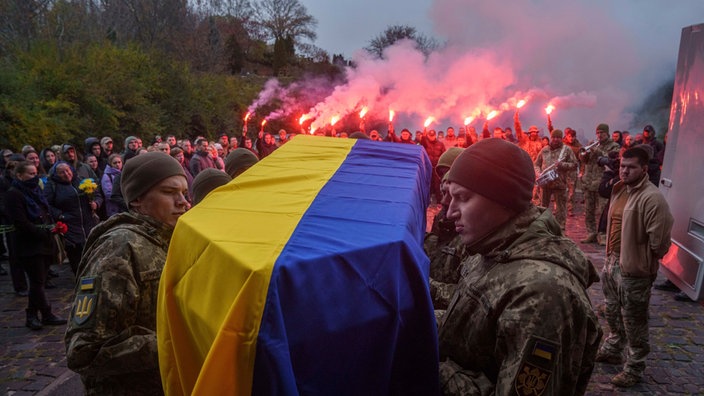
{"points": [[521, 312], [71, 206], [29, 212], [102, 160]]}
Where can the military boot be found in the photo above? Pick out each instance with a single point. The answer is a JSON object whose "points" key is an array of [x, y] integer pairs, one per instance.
{"points": [[591, 238], [625, 380], [49, 319], [33, 321]]}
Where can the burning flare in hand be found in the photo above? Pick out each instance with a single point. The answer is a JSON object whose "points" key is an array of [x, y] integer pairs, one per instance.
{"points": [[428, 121]]}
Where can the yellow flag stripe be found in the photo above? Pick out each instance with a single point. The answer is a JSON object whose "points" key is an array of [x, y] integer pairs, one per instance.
{"points": [[207, 341]]}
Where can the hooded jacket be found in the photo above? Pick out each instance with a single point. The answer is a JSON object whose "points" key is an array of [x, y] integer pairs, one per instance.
{"points": [[521, 311], [71, 206]]}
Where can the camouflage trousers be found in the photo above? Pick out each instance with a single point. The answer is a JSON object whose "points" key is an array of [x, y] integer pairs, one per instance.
{"points": [[571, 189], [627, 305], [593, 206], [560, 210]]}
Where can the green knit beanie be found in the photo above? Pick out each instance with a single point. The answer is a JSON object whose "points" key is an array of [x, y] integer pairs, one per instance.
{"points": [[144, 171], [603, 127], [206, 181], [239, 160]]}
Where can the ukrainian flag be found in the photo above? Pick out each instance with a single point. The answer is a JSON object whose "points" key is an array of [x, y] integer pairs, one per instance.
{"points": [[304, 275]]}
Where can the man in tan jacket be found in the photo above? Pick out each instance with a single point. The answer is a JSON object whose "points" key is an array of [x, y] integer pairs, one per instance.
{"points": [[638, 235]]}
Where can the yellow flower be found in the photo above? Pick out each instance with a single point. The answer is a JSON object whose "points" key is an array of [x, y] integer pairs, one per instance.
{"points": [[88, 187]]}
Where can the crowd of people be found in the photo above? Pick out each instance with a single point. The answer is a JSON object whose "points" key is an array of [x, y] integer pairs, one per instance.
{"points": [[500, 262]]}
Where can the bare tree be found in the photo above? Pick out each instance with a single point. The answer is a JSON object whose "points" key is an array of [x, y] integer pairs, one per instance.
{"points": [[394, 33], [19, 22], [282, 19]]}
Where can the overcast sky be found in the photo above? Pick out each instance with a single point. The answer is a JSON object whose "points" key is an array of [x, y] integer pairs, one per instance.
{"points": [[596, 58]]}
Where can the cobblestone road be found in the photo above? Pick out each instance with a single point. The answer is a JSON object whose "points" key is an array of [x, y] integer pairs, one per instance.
{"points": [[33, 362]]}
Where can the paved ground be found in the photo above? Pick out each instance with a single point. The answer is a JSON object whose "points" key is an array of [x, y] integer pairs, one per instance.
{"points": [[33, 362]]}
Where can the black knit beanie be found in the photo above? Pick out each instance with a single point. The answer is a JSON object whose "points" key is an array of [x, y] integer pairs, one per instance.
{"points": [[206, 181], [498, 170], [145, 171]]}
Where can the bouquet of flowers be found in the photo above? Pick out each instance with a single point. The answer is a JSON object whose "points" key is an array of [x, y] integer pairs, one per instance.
{"points": [[59, 228], [88, 187]]}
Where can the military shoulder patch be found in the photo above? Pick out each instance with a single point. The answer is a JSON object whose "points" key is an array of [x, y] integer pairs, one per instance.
{"points": [[84, 307], [86, 300], [87, 283], [537, 365]]}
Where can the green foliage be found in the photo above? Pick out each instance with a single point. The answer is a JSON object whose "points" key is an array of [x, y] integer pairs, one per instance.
{"points": [[105, 90]]}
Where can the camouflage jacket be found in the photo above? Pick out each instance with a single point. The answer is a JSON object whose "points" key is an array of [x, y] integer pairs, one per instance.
{"points": [[592, 170], [566, 162], [445, 263], [111, 334], [521, 321]]}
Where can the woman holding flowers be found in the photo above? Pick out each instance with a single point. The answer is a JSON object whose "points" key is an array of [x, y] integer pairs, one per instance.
{"points": [[73, 202], [33, 243]]}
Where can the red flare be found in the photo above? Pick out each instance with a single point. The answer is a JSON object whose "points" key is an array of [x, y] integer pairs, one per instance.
{"points": [[520, 103], [263, 122], [491, 115], [334, 120], [549, 109], [428, 121], [391, 115], [303, 118], [246, 117], [363, 112], [468, 120]]}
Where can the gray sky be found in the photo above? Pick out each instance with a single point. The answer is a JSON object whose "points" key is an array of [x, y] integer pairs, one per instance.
{"points": [[345, 26], [594, 59]]}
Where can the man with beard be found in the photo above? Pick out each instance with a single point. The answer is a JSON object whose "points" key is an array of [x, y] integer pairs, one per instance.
{"points": [[559, 157], [593, 202], [520, 321], [132, 145], [638, 233], [201, 159], [650, 139]]}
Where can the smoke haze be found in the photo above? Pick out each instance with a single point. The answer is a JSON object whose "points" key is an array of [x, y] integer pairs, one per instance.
{"points": [[594, 61]]}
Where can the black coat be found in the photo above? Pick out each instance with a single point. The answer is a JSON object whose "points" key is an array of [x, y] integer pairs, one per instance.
{"points": [[29, 238], [71, 206]]}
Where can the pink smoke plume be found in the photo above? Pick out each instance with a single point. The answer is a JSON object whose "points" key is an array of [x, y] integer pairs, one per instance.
{"points": [[580, 57]]}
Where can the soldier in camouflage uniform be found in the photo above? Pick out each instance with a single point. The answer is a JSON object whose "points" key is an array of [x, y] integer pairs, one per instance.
{"points": [[638, 232], [571, 141], [520, 321], [593, 203], [442, 244], [561, 157], [111, 335]]}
